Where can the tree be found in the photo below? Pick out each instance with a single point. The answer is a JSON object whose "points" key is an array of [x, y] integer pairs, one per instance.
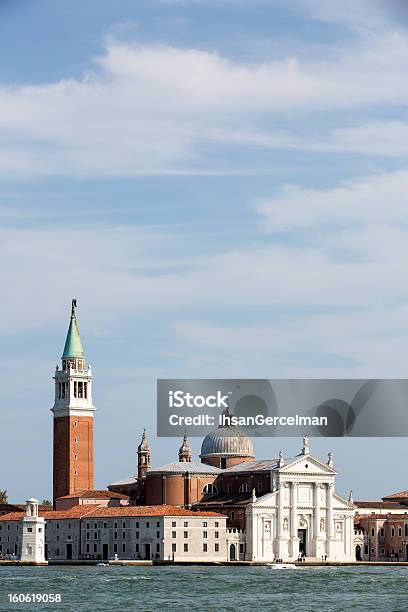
{"points": [[3, 497], [46, 502]]}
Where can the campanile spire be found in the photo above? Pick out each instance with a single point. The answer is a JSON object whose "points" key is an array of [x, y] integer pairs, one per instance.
{"points": [[73, 417]]}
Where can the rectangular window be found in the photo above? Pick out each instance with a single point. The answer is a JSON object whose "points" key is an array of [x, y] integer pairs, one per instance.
{"points": [[95, 525], [115, 535], [158, 524], [186, 534], [87, 535], [123, 535], [137, 535], [216, 547], [399, 531], [382, 531], [392, 532], [204, 547], [105, 525], [75, 389], [116, 525], [86, 390], [216, 524], [157, 534], [205, 534], [147, 524], [95, 548], [87, 548], [123, 525], [173, 548], [95, 535], [173, 524], [372, 532], [123, 547], [173, 534], [157, 548], [29, 529], [205, 524], [137, 548], [115, 548], [185, 523], [185, 547], [137, 524], [217, 534], [80, 390]]}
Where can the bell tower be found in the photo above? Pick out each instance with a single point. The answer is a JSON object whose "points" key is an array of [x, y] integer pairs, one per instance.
{"points": [[143, 456], [73, 460]]}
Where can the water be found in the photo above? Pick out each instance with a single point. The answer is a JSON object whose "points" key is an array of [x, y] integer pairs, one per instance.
{"points": [[321, 589]]}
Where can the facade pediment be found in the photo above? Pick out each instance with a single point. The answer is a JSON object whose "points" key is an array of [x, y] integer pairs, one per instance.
{"points": [[307, 464]]}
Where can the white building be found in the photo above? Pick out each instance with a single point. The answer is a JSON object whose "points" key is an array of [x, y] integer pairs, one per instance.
{"points": [[303, 515], [32, 534]]}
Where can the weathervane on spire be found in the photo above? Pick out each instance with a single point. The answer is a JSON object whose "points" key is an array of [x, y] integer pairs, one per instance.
{"points": [[73, 307]]}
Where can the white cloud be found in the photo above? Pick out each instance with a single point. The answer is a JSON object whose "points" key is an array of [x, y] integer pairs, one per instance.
{"points": [[381, 199], [147, 109]]}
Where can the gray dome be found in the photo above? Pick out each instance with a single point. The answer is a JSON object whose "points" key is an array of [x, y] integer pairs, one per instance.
{"points": [[227, 441]]}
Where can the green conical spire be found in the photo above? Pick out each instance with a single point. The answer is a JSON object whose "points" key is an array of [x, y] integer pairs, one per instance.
{"points": [[73, 344]]}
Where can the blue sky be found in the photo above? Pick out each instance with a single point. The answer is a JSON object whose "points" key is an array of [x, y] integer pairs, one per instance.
{"points": [[222, 186]]}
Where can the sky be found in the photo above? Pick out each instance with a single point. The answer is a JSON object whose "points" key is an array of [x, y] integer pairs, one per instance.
{"points": [[222, 185]]}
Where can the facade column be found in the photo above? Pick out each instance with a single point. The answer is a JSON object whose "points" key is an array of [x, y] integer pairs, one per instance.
{"points": [[282, 537], [329, 518], [294, 540], [316, 522]]}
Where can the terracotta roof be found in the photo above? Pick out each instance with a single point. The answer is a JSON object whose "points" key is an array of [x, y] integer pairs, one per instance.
{"points": [[384, 517], [165, 510], [93, 511], [18, 507], [95, 494], [379, 504], [400, 495]]}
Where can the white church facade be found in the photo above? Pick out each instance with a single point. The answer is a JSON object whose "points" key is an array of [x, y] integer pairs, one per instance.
{"points": [[302, 517]]}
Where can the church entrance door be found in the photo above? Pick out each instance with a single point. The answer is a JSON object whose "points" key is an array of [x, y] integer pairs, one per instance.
{"points": [[233, 555], [302, 535]]}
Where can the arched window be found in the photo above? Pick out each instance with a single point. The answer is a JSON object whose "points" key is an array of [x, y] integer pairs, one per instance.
{"points": [[210, 489], [244, 488]]}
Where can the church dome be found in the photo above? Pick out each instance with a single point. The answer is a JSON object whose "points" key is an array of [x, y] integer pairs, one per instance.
{"points": [[227, 441]]}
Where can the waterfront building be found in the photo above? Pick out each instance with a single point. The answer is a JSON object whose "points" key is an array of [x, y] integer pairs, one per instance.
{"points": [[276, 508], [89, 532], [385, 525]]}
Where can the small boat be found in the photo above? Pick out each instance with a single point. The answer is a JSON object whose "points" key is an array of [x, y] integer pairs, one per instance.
{"points": [[283, 566], [102, 564]]}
